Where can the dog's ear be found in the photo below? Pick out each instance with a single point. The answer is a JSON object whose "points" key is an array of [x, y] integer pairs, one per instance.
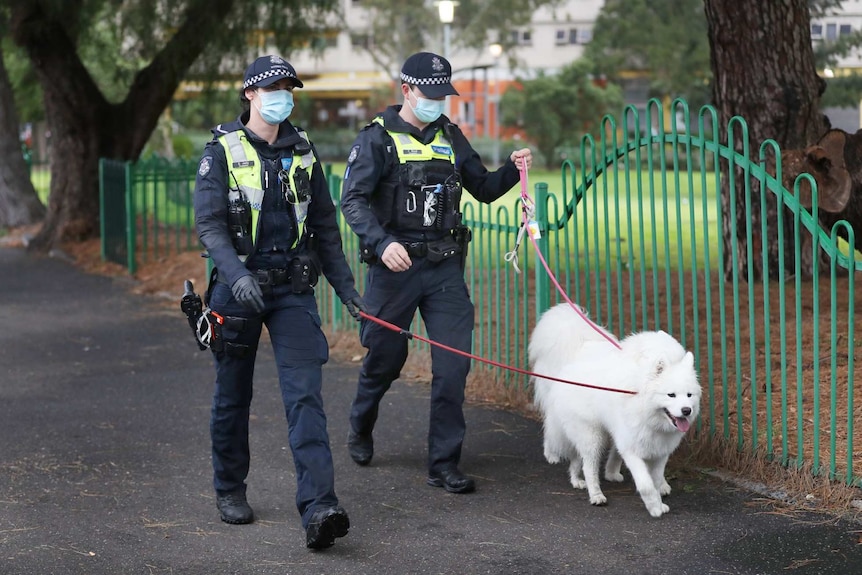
{"points": [[688, 360]]}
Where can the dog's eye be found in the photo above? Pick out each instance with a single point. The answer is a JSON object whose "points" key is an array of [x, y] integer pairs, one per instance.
{"points": [[689, 394], [671, 395]]}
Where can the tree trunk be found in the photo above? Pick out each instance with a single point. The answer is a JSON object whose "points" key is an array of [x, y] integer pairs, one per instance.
{"points": [[84, 125], [763, 70], [19, 204]]}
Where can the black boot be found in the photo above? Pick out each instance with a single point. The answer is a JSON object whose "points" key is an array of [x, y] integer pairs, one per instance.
{"points": [[325, 526], [452, 480], [234, 508], [360, 447]]}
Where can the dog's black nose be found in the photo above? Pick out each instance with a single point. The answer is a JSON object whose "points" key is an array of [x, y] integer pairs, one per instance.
{"points": [[686, 411]]}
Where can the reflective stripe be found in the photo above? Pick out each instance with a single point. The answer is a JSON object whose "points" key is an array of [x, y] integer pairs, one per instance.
{"points": [[411, 150]]}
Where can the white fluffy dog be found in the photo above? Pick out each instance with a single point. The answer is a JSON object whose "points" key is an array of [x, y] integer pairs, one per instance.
{"points": [[582, 424]]}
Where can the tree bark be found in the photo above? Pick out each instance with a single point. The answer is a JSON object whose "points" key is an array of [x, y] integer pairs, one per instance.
{"points": [[763, 70], [19, 203], [84, 125]]}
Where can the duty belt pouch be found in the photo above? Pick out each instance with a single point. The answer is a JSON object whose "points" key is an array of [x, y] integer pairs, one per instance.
{"points": [[303, 274], [442, 249], [367, 255], [219, 323]]}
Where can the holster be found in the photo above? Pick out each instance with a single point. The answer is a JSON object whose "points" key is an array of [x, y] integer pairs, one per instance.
{"points": [[214, 339], [462, 236]]}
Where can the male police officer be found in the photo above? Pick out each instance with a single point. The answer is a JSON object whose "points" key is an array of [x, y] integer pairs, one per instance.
{"points": [[401, 196], [264, 214]]}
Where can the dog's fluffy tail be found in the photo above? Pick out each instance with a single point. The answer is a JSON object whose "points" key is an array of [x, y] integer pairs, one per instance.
{"points": [[559, 336]]}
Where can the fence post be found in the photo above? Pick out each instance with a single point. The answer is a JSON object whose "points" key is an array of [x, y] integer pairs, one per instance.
{"points": [[131, 221], [335, 193], [103, 252], [543, 282]]}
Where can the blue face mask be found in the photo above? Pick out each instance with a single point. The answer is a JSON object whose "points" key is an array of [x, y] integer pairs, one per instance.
{"points": [[427, 110], [275, 106]]}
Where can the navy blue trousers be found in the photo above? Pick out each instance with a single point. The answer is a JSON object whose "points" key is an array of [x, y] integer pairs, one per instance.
{"points": [[300, 349], [439, 293]]}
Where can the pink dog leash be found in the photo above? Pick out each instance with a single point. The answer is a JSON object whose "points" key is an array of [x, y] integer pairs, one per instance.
{"points": [[532, 227]]}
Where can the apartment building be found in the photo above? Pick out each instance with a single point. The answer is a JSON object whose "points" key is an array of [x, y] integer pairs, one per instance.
{"points": [[831, 27], [344, 79]]}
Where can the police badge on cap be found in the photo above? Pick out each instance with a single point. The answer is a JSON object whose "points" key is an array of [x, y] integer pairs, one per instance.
{"points": [[432, 73]]}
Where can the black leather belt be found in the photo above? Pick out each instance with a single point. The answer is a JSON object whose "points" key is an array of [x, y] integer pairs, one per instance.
{"points": [[272, 277]]}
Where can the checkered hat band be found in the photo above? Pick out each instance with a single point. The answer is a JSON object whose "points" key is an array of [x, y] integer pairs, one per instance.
{"points": [[424, 81], [263, 76]]}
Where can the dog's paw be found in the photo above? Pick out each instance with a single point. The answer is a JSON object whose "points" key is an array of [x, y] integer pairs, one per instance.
{"points": [[578, 483], [665, 488], [658, 510], [599, 499], [616, 477], [552, 457]]}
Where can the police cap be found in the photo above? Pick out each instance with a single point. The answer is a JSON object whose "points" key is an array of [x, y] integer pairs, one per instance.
{"points": [[430, 72], [268, 70]]}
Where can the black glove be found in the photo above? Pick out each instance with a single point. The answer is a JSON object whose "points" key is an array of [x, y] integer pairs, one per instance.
{"points": [[246, 290], [354, 306]]}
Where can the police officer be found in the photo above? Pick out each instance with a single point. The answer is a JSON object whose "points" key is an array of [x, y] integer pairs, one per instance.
{"points": [[264, 214], [401, 196]]}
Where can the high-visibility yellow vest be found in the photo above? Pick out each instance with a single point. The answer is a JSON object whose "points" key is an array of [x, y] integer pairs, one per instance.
{"points": [[244, 171]]}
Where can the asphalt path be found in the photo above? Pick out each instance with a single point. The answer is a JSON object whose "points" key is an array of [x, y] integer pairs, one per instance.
{"points": [[105, 469]]}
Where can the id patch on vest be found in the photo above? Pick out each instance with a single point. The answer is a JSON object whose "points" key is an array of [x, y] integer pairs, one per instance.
{"points": [[354, 151], [205, 165], [445, 150]]}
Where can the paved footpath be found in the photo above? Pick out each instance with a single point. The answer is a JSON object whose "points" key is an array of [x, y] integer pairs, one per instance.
{"points": [[104, 469]]}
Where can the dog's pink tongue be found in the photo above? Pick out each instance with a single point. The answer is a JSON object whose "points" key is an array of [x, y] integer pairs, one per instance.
{"points": [[682, 423]]}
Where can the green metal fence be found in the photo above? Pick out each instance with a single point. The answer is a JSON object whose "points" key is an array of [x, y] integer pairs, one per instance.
{"points": [[146, 209], [633, 232]]}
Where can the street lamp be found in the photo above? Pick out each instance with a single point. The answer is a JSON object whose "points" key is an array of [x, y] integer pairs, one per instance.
{"points": [[446, 10], [496, 51]]}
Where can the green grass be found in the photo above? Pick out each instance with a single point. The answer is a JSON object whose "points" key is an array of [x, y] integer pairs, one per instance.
{"points": [[624, 217], [41, 178]]}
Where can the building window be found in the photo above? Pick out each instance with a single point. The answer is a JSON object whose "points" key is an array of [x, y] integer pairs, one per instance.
{"points": [[360, 40], [830, 31], [561, 37], [816, 31], [522, 37], [572, 36]]}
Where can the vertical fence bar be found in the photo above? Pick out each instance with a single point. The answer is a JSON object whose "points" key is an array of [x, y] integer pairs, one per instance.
{"points": [[543, 282], [131, 218]]}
